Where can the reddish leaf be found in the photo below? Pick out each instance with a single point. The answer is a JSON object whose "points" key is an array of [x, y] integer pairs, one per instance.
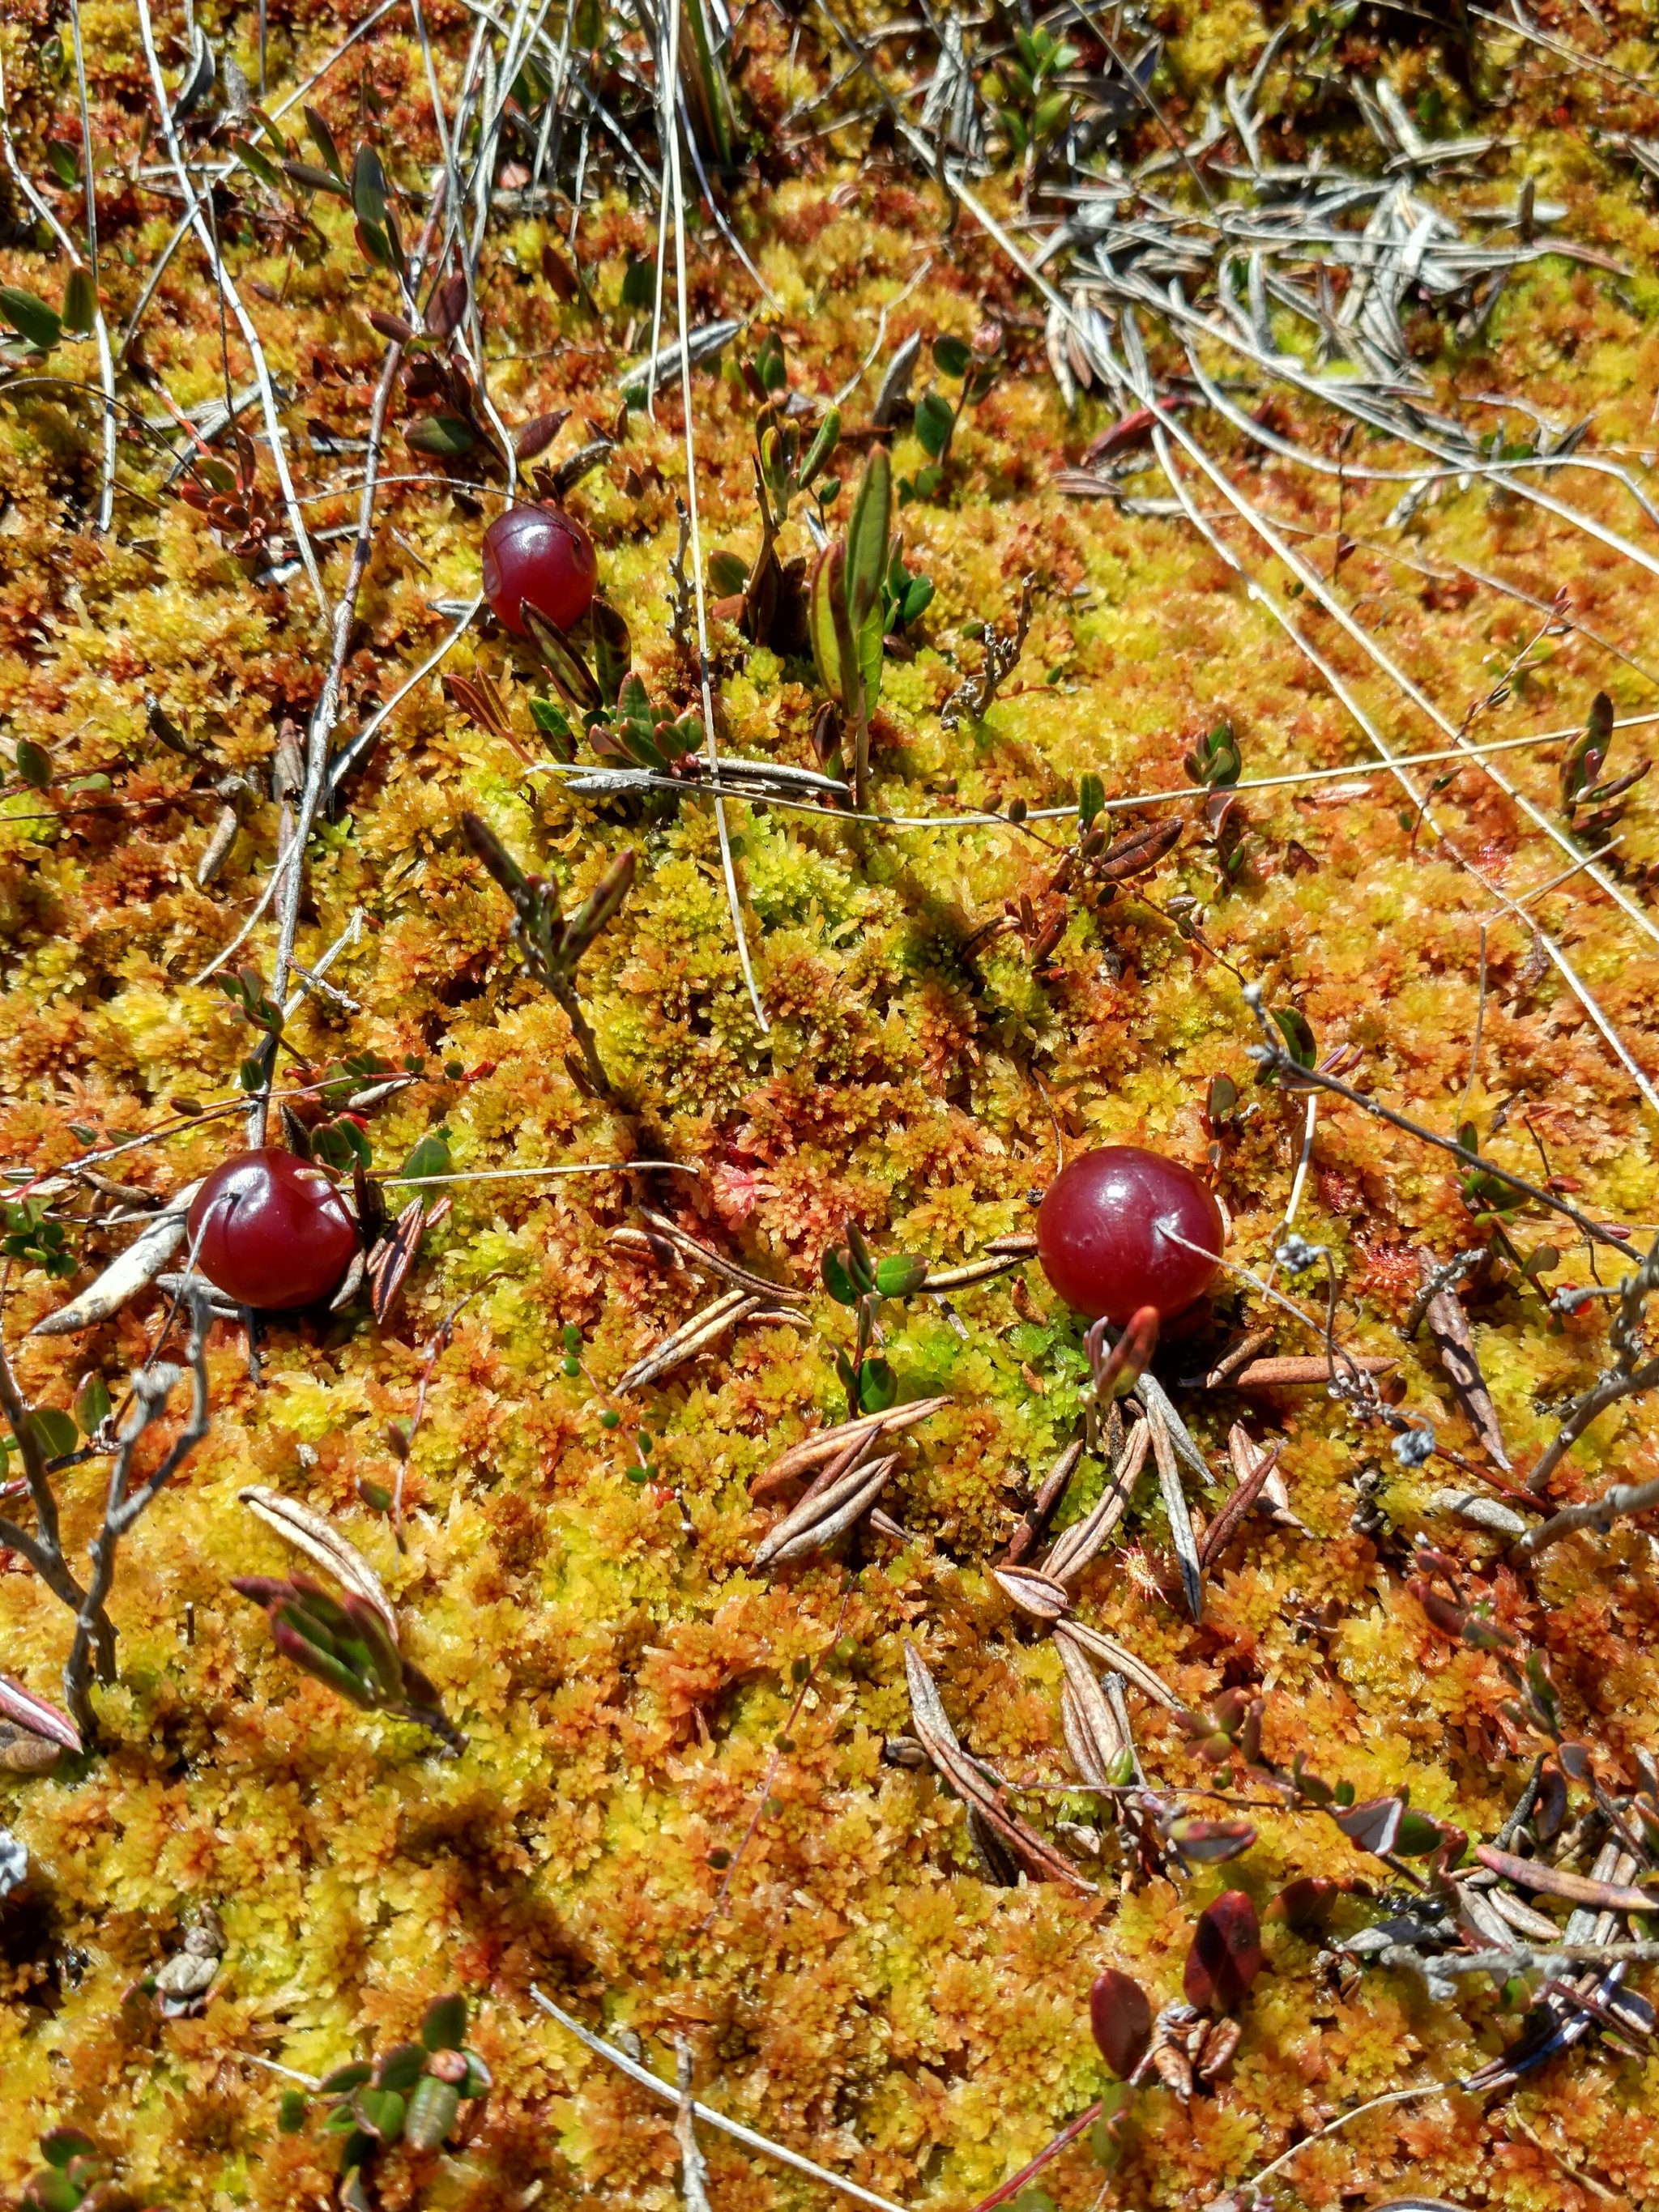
{"points": [[1226, 1955], [446, 307], [536, 435], [1374, 1824], [1121, 2018], [1304, 1903], [560, 276], [1208, 1842]]}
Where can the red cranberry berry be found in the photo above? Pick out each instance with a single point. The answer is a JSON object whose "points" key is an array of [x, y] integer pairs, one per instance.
{"points": [[542, 554], [270, 1230], [1101, 1234]]}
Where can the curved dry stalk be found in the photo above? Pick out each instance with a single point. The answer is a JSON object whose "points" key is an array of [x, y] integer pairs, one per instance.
{"points": [[233, 300]]}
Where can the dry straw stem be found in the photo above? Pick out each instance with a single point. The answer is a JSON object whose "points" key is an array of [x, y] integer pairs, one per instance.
{"points": [[675, 2096], [816, 1450], [1598, 1513]]}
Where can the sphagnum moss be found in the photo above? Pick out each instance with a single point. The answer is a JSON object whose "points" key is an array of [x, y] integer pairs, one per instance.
{"points": [[624, 1827]]}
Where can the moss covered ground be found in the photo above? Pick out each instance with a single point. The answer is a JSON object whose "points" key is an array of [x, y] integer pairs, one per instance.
{"points": [[673, 1813]]}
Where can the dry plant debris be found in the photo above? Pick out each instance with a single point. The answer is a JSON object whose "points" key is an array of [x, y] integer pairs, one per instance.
{"points": [[1126, 544]]}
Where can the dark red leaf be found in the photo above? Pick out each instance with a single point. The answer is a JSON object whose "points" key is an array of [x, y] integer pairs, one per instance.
{"points": [[1304, 1903], [1226, 1955], [446, 307], [1121, 2018], [560, 276], [536, 435]]}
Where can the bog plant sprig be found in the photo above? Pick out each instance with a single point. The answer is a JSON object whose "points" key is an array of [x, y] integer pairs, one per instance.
{"points": [[608, 696], [846, 612], [411, 2097], [553, 944], [345, 1643], [973, 369], [773, 610], [854, 1277]]}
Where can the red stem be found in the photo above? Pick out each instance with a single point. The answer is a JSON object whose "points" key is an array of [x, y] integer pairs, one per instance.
{"points": [[1068, 2134]]}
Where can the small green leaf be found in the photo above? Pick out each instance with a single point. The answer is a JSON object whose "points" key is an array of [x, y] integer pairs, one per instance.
{"points": [[59, 2146], [65, 161], [867, 538], [92, 1405], [613, 648], [445, 436], [258, 165], [897, 1278], [53, 1431], [322, 139], [432, 2111], [368, 188], [80, 301], [935, 420], [345, 2078], [444, 2024], [836, 1281], [728, 575], [878, 1387], [1090, 798], [291, 2112], [429, 1157], [33, 764], [918, 597], [828, 437], [31, 318], [1298, 1034], [571, 674], [639, 285], [1417, 1835], [402, 2067], [553, 722], [952, 357]]}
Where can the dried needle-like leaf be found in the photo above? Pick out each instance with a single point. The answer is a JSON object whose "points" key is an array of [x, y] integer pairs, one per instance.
{"points": [[1175, 1504], [319, 1540], [716, 1263], [1449, 1325], [727, 1311], [1273, 1498], [1031, 1853], [817, 1521], [815, 1450], [1577, 1888], [1107, 1648], [1077, 1545], [1297, 1373], [1221, 1530], [1041, 1597], [127, 1275], [1093, 1736]]}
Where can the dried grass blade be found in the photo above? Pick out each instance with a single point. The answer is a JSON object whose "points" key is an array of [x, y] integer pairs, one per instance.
{"points": [[127, 1275], [814, 1451], [1577, 1888], [36, 1714], [1295, 1372], [716, 1263], [319, 1540], [1093, 1736], [1449, 1325], [818, 1520], [1109, 1650], [1221, 1530], [937, 1738], [1175, 1505], [691, 1336], [1077, 1545]]}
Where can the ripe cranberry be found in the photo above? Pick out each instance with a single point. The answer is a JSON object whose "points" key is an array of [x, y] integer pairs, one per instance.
{"points": [[542, 554], [271, 1232], [1100, 1240]]}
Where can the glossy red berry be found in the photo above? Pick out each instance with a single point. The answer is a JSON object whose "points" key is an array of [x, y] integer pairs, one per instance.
{"points": [[542, 554], [1103, 1234], [270, 1230]]}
